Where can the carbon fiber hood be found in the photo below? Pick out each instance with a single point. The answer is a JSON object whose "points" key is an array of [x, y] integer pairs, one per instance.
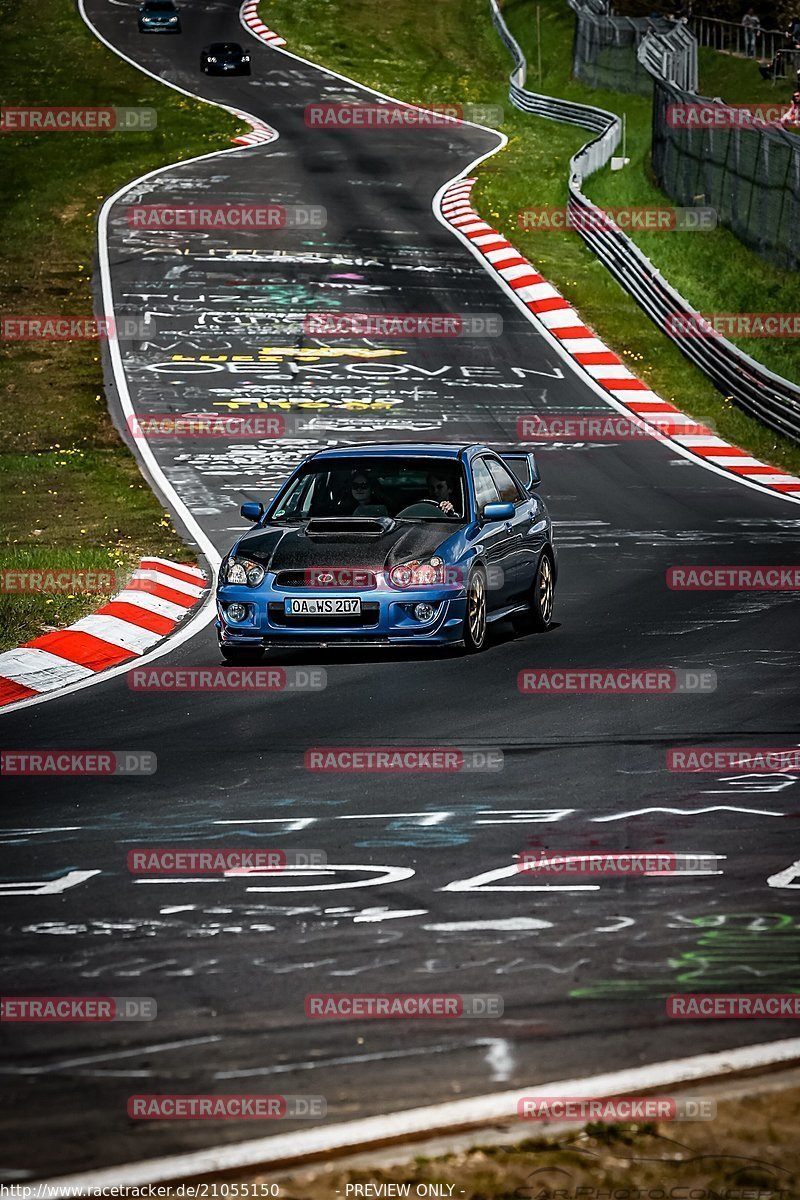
{"points": [[282, 549]]}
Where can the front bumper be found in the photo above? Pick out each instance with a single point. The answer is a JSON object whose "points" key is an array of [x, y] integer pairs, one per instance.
{"points": [[216, 69], [386, 619], [146, 27]]}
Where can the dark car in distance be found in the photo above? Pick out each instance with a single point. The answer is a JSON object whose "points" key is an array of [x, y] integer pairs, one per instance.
{"points": [[159, 16], [225, 58]]}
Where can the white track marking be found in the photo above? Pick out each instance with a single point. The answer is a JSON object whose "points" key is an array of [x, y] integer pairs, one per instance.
{"points": [[46, 887], [407, 1125], [684, 812], [479, 883], [386, 875], [47, 829], [69, 1063], [789, 878], [505, 925]]}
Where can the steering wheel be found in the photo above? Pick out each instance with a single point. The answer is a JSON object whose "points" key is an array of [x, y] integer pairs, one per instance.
{"points": [[433, 504]]}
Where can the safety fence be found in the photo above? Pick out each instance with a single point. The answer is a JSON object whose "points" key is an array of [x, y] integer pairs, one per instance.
{"points": [[749, 175], [605, 49], [758, 391]]}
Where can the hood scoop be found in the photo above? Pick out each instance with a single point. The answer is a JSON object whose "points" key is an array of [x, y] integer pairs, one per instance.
{"points": [[368, 527]]}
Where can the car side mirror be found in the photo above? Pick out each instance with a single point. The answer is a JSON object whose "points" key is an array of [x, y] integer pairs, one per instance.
{"points": [[252, 511], [498, 512]]}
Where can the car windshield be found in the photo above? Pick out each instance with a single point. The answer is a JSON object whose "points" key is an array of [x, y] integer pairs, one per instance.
{"points": [[225, 48], [413, 489]]}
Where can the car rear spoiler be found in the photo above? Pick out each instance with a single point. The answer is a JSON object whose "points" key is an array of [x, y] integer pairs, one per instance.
{"points": [[524, 467]]}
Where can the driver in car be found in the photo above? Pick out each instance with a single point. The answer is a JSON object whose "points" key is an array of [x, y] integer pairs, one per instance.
{"points": [[442, 492]]}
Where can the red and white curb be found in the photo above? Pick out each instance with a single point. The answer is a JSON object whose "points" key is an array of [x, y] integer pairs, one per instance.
{"points": [[261, 132], [158, 598], [600, 363], [250, 18]]}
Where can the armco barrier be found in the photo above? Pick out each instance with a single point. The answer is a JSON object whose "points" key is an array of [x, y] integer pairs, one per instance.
{"points": [[758, 391]]}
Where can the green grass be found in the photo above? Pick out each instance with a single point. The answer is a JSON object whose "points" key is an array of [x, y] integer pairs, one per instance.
{"points": [[72, 494], [425, 53]]}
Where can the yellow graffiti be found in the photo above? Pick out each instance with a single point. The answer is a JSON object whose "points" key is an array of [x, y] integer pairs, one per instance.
{"points": [[281, 353]]}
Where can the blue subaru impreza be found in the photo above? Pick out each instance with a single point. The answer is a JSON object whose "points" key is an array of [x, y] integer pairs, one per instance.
{"points": [[391, 545]]}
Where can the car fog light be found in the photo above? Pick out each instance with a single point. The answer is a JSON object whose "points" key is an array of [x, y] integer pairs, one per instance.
{"points": [[424, 612], [237, 612]]}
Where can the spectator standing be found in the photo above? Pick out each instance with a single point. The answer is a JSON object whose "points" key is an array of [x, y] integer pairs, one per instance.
{"points": [[752, 28], [792, 114]]}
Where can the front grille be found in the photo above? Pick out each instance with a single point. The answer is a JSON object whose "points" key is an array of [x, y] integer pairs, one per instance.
{"points": [[344, 579], [367, 619]]}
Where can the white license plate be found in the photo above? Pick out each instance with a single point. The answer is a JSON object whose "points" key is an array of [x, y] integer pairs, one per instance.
{"points": [[319, 606]]}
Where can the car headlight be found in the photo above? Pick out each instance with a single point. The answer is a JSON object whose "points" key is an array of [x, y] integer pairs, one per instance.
{"points": [[245, 58], [173, 20], [243, 571], [210, 58], [427, 573]]}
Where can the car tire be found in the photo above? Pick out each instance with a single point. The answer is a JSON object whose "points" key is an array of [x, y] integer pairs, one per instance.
{"points": [[242, 656], [538, 616], [475, 625]]}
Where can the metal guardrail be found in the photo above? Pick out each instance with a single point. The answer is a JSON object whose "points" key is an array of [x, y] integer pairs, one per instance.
{"points": [[671, 56], [755, 389]]}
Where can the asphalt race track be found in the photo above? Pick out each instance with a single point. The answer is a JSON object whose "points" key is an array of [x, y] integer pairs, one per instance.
{"points": [[409, 902]]}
